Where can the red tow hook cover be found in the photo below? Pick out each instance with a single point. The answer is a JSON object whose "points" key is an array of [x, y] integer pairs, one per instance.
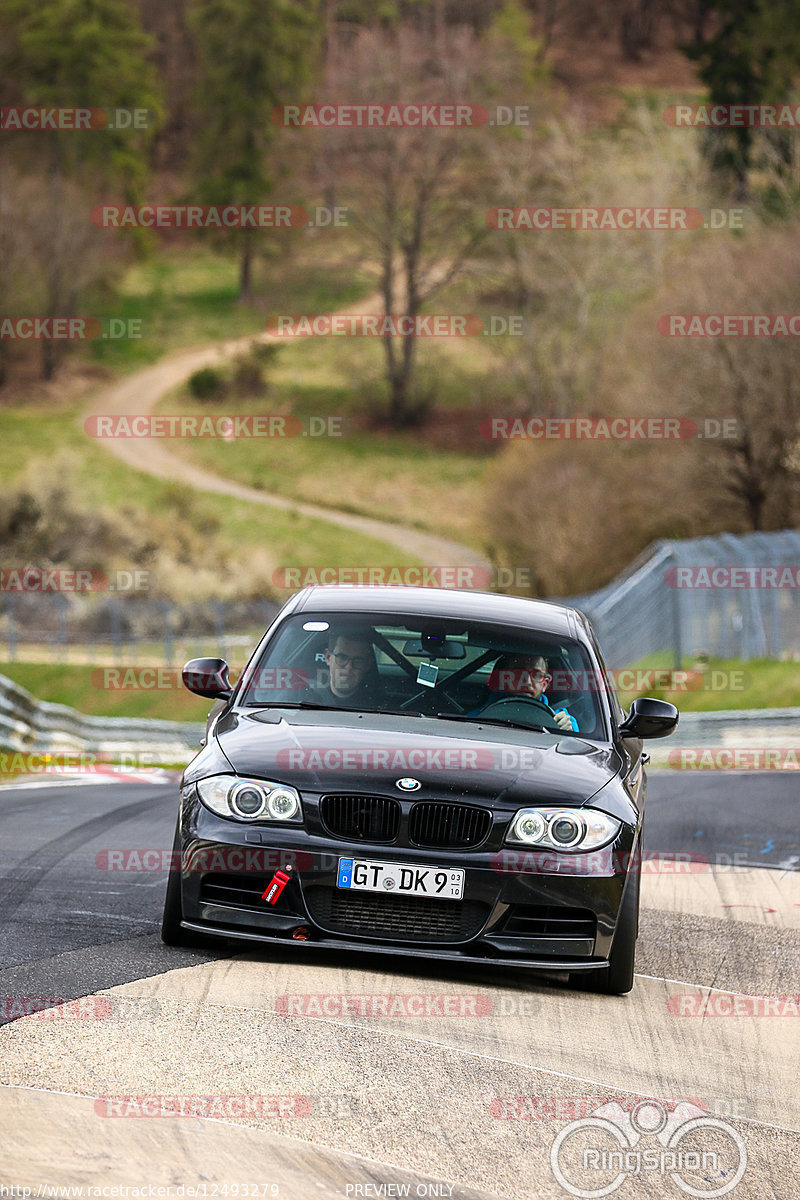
{"points": [[275, 887]]}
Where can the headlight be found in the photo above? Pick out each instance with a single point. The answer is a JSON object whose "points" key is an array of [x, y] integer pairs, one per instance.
{"points": [[250, 799], [563, 828]]}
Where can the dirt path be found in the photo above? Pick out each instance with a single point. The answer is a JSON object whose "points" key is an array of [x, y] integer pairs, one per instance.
{"points": [[139, 394]]}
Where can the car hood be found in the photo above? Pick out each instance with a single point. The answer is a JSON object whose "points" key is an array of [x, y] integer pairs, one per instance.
{"points": [[369, 752]]}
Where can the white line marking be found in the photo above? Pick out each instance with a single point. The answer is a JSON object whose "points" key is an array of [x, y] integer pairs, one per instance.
{"points": [[290, 1137], [510, 1062]]}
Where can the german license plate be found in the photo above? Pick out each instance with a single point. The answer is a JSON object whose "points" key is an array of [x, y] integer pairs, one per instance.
{"points": [[362, 875]]}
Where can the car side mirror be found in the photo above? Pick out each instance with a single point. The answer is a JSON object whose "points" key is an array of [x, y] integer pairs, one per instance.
{"points": [[207, 677], [649, 718]]}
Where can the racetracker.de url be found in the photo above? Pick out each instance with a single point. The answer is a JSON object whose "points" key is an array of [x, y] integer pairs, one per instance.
{"points": [[181, 1191]]}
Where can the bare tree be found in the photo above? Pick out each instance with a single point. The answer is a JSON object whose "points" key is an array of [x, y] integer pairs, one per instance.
{"points": [[748, 473], [573, 285], [63, 252], [415, 187]]}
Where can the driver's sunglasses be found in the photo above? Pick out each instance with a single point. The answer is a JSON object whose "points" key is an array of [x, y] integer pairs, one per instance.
{"points": [[345, 660]]}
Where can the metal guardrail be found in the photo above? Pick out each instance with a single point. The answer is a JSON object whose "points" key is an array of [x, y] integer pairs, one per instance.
{"points": [[684, 598], [31, 726]]}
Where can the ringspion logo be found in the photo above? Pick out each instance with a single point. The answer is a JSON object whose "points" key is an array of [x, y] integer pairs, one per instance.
{"points": [[680, 1142]]}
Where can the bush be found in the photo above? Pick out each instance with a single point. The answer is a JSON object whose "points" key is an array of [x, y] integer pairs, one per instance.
{"points": [[248, 378], [206, 384], [265, 352]]}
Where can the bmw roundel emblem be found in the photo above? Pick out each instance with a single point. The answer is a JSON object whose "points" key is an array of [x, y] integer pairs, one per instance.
{"points": [[408, 785]]}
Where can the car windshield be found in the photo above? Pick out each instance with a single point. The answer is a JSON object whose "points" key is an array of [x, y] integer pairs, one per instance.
{"points": [[458, 670]]}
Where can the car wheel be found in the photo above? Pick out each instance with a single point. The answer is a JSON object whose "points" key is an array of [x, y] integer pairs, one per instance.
{"points": [[617, 978], [171, 932]]}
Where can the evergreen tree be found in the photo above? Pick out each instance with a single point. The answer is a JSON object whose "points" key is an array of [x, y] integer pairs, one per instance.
{"points": [[751, 57], [76, 54], [252, 56]]}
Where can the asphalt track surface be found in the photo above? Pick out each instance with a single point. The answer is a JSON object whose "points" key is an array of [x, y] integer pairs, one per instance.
{"points": [[467, 1101]]}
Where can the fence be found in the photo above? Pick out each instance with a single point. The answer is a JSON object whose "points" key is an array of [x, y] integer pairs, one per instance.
{"points": [[728, 596], [29, 726], [681, 598], [130, 631]]}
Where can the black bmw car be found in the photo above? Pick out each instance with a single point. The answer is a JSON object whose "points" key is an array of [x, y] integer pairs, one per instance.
{"points": [[421, 771]]}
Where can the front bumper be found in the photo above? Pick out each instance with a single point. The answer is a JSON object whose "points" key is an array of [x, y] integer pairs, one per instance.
{"points": [[557, 914]]}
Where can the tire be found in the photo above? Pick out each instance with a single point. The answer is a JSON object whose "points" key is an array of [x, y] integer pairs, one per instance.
{"points": [[617, 978], [171, 932]]}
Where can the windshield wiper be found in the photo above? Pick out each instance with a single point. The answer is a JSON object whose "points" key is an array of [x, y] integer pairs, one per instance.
{"points": [[314, 705], [301, 704], [479, 720]]}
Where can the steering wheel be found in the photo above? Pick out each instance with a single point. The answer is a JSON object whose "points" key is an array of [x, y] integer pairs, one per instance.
{"points": [[502, 703]]}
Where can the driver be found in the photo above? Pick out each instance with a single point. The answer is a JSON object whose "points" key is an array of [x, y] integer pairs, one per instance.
{"points": [[353, 671], [525, 675]]}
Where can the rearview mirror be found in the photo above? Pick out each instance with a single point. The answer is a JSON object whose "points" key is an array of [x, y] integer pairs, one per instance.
{"points": [[431, 648], [207, 677], [649, 718]]}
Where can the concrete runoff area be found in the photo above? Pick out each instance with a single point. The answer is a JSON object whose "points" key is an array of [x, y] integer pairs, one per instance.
{"points": [[432, 1077]]}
